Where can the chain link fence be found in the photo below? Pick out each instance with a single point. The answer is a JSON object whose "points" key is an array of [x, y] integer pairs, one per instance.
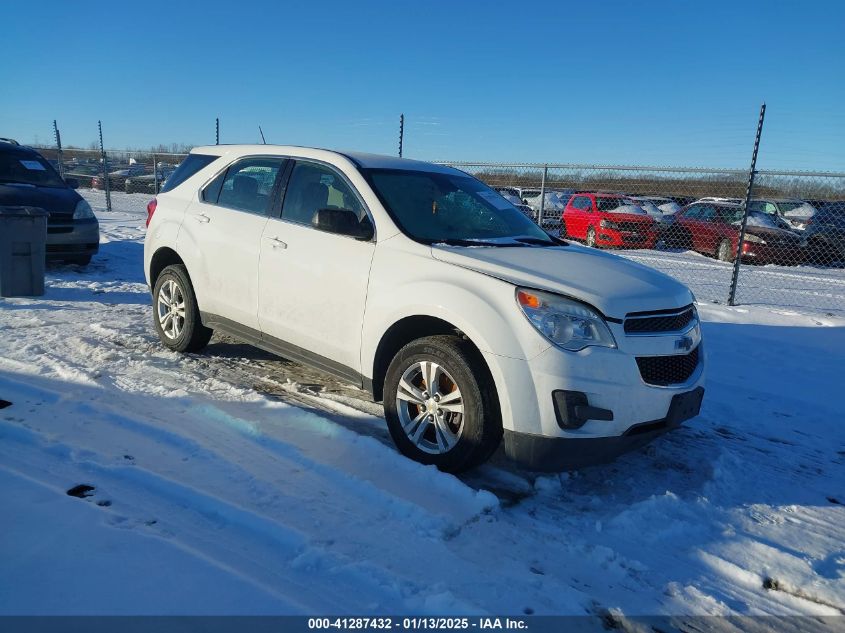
{"points": [[114, 171], [688, 223], [685, 222]]}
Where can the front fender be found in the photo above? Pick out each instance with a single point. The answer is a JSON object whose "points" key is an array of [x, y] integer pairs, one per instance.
{"points": [[482, 307]]}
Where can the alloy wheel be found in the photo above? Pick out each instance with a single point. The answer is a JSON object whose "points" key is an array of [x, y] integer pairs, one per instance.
{"points": [[430, 406], [170, 309]]}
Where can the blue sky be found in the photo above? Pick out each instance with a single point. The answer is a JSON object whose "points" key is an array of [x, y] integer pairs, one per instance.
{"points": [[654, 83]]}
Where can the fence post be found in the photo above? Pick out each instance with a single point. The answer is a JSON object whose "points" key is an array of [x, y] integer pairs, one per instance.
{"points": [[105, 161], [751, 172], [58, 149], [542, 196], [216, 132], [401, 132], [155, 174]]}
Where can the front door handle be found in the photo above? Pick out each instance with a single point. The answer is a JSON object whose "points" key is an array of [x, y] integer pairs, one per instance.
{"points": [[275, 242], [202, 218]]}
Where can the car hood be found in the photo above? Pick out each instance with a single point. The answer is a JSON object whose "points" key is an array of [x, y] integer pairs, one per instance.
{"points": [[625, 216], [57, 201], [614, 285], [770, 233]]}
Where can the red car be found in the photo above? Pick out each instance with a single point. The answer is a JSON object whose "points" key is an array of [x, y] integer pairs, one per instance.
{"points": [[713, 229], [604, 219]]}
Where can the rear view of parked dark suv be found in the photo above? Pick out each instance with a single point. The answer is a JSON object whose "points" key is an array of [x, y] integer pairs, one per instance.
{"points": [[27, 179]]}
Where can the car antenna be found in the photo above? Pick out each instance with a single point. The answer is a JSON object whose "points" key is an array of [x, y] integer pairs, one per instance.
{"points": [[262, 135]]}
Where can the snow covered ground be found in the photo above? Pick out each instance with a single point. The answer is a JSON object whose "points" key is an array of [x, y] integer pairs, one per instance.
{"points": [[235, 482]]}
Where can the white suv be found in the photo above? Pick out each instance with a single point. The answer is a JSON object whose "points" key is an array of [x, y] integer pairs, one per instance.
{"points": [[429, 289]]}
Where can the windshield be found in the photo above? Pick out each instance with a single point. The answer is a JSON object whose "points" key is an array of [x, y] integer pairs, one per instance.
{"points": [[609, 204], [755, 218], [435, 207], [28, 170]]}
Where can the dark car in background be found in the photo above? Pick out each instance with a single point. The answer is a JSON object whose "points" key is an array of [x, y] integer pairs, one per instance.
{"points": [[83, 173], [148, 183], [793, 210], [824, 234], [712, 228], [27, 179], [117, 178]]}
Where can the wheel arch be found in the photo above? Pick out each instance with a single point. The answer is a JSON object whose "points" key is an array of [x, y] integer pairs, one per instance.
{"points": [[161, 259], [411, 328]]}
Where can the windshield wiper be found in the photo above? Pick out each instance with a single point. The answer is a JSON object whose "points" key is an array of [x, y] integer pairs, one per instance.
{"points": [[454, 241], [539, 241]]}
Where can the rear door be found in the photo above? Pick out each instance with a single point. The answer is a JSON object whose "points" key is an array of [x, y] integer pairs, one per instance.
{"points": [[224, 229], [313, 284]]}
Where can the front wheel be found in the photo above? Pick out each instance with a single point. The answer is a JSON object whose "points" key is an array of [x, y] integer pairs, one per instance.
{"points": [[591, 237], [724, 252], [176, 314], [440, 404]]}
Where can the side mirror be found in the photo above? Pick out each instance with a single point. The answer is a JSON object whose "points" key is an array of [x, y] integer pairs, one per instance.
{"points": [[343, 222], [73, 183]]}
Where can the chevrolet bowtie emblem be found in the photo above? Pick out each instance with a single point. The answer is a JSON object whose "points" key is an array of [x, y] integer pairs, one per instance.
{"points": [[685, 343]]}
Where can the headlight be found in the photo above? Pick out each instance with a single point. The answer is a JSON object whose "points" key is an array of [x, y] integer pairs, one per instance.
{"points": [[754, 239], [607, 224], [565, 322], [83, 211]]}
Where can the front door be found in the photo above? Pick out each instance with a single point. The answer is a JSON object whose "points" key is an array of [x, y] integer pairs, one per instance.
{"points": [[313, 284]]}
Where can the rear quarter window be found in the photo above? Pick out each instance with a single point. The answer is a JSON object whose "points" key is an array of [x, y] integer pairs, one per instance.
{"points": [[187, 168]]}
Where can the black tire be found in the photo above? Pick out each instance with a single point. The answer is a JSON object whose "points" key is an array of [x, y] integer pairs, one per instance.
{"points": [[193, 336], [481, 419]]}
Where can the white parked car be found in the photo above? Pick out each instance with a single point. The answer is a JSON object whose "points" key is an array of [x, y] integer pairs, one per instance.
{"points": [[554, 202], [426, 287], [660, 209]]}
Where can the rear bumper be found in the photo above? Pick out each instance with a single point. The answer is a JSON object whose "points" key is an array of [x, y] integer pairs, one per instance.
{"points": [[72, 238]]}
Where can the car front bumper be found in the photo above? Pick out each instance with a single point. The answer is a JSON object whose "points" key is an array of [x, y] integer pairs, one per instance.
{"points": [[626, 239], [542, 453], [72, 238], [610, 381], [791, 255]]}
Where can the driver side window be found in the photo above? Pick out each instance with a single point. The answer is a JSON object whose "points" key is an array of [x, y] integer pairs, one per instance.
{"points": [[583, 203], [313, 187]]}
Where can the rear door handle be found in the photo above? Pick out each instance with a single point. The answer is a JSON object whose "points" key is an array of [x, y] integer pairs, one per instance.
{"points": [[202, 218], [276, 242]]}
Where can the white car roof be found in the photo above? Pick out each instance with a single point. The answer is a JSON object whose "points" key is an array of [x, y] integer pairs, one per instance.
{"points": [[360, 159]]}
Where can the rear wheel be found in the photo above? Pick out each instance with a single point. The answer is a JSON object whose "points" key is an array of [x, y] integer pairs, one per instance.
{"points": [[176, 314], [724, 251], [440, 404], [591, 237]]}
